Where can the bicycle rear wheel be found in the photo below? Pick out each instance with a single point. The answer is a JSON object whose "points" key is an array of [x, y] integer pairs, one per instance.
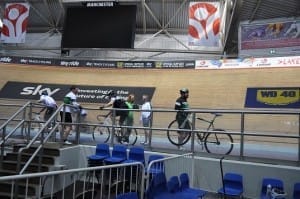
{"points": [[131, 139], [218, 143], [173, 135], [101, 134]]}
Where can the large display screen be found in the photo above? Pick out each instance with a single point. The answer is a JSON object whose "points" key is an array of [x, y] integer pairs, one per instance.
{"points": [[99, 27]]}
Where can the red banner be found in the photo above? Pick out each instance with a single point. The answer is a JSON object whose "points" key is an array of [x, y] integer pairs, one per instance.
{"points": [[204, 24], [15, 23]]}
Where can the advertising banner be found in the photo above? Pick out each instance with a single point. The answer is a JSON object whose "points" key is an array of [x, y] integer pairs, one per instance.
{"points": [[15, 23], [263, 62], [281, 97], [98, 63], [86, 94], [204, 24], [268, 37]]}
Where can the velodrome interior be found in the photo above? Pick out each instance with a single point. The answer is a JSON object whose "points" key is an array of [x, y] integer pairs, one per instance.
{"points": [[221, 89]]}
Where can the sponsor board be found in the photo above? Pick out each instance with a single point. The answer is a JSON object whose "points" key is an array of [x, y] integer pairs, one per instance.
{"points": [[86, 94], [98, 63], [263, 62], [252, 62], [284, 97]]}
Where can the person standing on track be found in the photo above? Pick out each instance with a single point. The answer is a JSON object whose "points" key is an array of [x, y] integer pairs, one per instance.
{"points": [[129, 120], [146, 116], [181, 105], [69, 99]]}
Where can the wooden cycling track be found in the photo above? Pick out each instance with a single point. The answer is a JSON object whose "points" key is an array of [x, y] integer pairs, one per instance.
{"points": [[213, 89]]}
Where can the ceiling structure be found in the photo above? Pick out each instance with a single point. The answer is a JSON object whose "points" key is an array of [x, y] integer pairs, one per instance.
{"points": [[161, 22]]}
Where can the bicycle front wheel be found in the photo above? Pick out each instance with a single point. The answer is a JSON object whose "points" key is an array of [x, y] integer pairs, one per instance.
{"points": [[218, 143], [178, 138], [101, 134], [131, 139]]}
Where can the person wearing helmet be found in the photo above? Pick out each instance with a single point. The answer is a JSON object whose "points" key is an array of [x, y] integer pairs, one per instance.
{"points": [[112, 97], [181, 105], [49, 104]]}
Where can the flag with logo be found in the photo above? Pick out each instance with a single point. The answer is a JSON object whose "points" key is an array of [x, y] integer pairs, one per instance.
{"points": [[204, 24], [15, 22]]}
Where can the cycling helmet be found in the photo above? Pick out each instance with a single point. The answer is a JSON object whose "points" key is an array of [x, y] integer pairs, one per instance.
{"points": [[184, 90], [44, 93]]}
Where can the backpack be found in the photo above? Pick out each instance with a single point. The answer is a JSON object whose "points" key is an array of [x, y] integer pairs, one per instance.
{"points": [[120, 103]]}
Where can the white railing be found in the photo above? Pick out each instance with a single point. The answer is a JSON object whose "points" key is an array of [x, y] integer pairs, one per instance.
{"points": [[93, 182]]}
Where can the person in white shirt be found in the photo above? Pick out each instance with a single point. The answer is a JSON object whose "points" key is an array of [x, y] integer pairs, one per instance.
{"points": [[49, 104], [69, 99], [146, 117]]}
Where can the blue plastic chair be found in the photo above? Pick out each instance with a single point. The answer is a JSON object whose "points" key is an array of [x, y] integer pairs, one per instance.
{"points": [[296, 192], [274, 182], [136, 154], [185, 186], [173, 186], [232, 185], [118, 155], [102, 152], [129, 195], [157, 167]]}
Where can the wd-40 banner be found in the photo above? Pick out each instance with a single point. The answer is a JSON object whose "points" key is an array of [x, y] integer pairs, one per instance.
{"points": [[204, 24], [15, 23]]}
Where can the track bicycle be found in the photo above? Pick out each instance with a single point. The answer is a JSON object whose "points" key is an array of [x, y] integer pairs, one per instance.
{"points": [[218, 143], [102, 132], [36, 122]]}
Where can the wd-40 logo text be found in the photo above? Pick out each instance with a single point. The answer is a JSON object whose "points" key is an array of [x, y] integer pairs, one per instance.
{"points": [[38, 90], [278, 96]]}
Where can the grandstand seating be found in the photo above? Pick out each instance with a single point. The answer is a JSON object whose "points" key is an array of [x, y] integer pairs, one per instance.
{"points": [[185, 186], [129, 195], [118, 155], [296, 192], [232, 185], [274, 182], [156, 167], [102, 152], [136, 154], [160, 188]]}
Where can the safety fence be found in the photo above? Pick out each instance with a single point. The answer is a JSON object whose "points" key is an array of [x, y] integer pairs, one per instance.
{"points": [[106, 181], [251, 133]]}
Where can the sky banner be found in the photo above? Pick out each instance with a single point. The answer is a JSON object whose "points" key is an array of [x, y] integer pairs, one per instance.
{"points": [[86, 93], [204, 24], [15, 23]]}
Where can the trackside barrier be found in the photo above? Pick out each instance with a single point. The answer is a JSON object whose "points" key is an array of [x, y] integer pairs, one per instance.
{"points": [[91, 182], [242, 135]]}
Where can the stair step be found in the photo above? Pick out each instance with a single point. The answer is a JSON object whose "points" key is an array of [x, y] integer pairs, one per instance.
{"points": [[32, 168], [6, 187], [46, 159], [8, 196], [51, 149]]}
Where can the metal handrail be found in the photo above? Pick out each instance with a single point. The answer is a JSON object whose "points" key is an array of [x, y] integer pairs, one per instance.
{"points": [[41, 131], [4, 125], [14, 115]]}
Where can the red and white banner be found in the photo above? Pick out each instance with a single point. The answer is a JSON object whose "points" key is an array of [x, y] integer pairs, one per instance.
{"points": [[204, 24], [15, 23]]}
